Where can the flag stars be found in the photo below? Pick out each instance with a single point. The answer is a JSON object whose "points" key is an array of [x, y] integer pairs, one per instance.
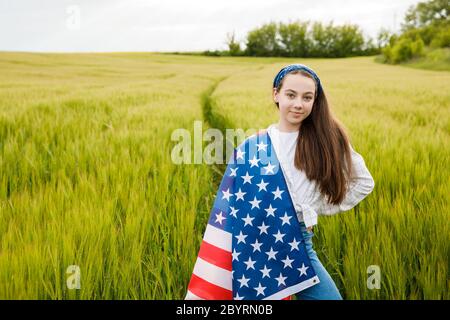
{"points": [[233, 172], [270, 211], [226, 194], [279, 236], [260, 289], [269, 168], [285, 219], [262, 185], [277, 193], [247, 178], [255, 203], [254, 162], [243, 281], [271, 254], [241, 237], [265, 272], [287, 262], [248, 220], [302, 269], [263, 228], [256, 246], [233, 212], [294, 245], [250, 263], [237, 297], [262, 146], [235, 255], [240, 154], [240, 195], [281, 279], [220, 218]]}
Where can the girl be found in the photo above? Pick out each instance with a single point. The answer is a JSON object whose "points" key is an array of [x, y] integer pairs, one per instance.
{"points": [[250, 249], [324, 174]]}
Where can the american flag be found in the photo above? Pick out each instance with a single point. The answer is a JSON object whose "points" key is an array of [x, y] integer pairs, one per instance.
{"points": [[252, 248]]}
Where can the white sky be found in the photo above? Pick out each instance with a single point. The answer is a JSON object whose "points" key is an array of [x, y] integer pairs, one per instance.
{"points": [[172, 25]]}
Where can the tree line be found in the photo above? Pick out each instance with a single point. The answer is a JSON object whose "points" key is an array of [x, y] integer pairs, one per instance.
{"points": [[301, 39], [425, 25]]}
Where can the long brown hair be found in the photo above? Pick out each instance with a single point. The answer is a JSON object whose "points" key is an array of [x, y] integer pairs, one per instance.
{"points": [[323, 150]]}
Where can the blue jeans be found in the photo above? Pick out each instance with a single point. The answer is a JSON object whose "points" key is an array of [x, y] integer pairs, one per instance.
{"points": [[326, 289]]}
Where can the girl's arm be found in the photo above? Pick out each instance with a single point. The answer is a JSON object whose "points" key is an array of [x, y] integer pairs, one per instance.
{"points": [[360, 187]]}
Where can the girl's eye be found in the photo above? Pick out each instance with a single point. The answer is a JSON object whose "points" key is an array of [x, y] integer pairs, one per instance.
{"points": [[290, 95], [308, 98]]}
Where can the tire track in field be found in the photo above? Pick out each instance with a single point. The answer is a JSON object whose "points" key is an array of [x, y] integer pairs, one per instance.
{"points": [[217, 121]]}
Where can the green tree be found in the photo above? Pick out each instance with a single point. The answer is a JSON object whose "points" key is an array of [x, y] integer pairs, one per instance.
{"points": [[294, 39], [263, 41], [348, 41], [234, 48], [425, 13], [322, 39]]}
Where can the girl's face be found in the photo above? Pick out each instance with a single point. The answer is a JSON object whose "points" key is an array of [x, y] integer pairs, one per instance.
{"points": [[295, 100]]}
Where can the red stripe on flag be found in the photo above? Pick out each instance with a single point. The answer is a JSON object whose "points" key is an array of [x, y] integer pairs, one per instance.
{"points": [[208, 290], [215, 255]]}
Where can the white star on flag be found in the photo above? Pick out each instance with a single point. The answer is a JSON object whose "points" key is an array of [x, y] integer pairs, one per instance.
{"points": [[262, 185], [241, 237], [237, 297], [269, 168], [247, 178], [279, 236], [287, 262], [270, 211], [240, 154], [235, 255], [281, 279], [226, 194], [219, 217], [277, 193], [302, 269], [271, 254], [250, 263], [256, 245], [285, 219], [253, 162], [255, 203], [240, 195], [260, 289], [244, 281], [294, 245], [263, 228], [248, 220], [262, 146], [265, 272]]}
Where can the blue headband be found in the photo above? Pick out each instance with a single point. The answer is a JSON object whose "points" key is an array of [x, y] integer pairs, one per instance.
{"points": [[293, 67]]}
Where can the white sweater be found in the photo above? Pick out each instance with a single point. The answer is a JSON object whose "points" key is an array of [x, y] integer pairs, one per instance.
{"points": [[308, 201]]}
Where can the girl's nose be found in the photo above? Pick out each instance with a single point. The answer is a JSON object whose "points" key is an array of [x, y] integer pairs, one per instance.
{"points": [[298, 104]]}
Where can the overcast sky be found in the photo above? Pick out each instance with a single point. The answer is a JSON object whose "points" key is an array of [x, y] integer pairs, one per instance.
{"points": [[172, 25]]}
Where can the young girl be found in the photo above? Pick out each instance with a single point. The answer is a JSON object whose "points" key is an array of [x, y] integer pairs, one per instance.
{"points": [[251, 248], [324, 174]]}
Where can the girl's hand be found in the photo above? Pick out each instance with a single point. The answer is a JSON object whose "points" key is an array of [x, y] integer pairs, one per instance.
{"points": [[310, 229]]}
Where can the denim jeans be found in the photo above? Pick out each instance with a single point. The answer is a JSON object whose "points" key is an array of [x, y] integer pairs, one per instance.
{"points": [[326, 289]]}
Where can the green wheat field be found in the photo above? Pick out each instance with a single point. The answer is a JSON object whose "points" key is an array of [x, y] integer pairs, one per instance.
{"points": [[86, 176]]}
